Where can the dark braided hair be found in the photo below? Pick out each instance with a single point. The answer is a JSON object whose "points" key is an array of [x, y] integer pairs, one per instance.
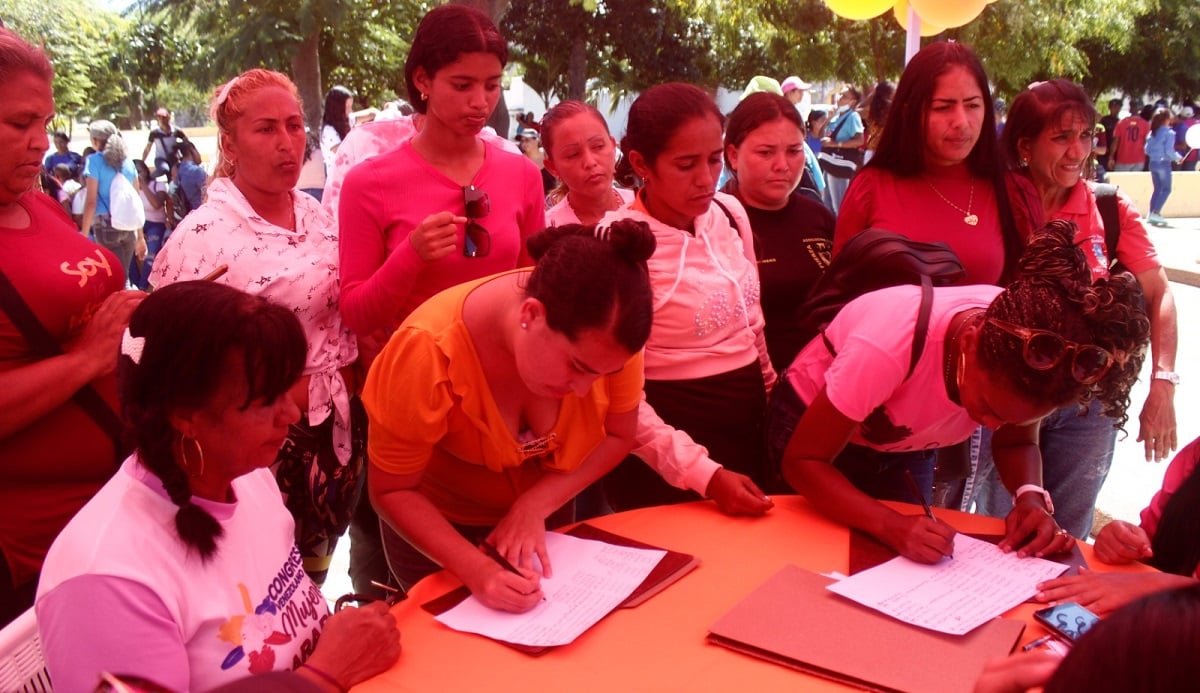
{"points": [[1054, 292], [198, 334], [588, 283]]}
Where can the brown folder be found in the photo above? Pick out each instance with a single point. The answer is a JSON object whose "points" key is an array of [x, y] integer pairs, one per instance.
{"points": [[791, 619]]}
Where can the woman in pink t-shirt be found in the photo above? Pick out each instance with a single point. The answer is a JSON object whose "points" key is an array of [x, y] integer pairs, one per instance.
{"points": [[855, 419]]}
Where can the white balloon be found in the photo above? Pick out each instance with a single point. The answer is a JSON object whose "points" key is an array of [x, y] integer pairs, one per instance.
{"points": [[1193, 136]]}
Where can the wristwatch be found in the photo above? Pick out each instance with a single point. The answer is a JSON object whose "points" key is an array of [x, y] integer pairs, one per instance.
{"points": [[1169, 376], [1026, 488]]}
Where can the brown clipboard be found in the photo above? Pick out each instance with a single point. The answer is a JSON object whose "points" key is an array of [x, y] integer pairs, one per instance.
{"points": [[793, 620]]}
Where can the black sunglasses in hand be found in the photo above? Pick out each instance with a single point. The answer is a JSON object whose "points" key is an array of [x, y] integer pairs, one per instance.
{"points": [[477, 241]]}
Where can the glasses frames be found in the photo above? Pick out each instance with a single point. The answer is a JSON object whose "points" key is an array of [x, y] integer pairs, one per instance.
{"points": [[1043, 350], [477, 241]]}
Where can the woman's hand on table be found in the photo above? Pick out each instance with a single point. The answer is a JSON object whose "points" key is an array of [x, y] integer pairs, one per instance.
{"points": [[1121, 542], [921, 539], [1031, 531], [736, 494], [436, 235], [357, 644], [1102, 593], [1019, 672]]}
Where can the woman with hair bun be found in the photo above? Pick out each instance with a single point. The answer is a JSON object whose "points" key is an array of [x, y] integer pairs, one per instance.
{"points": [[183, 569], [498, 400], [851, 418]]}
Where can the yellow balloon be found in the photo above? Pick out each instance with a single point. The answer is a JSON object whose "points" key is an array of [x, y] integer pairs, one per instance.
{"points": [[948, 13], [901, 13], [858, 9]]}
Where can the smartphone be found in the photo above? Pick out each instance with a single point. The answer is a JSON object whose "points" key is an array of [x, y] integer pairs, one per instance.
{"points": [[1068, 620]]}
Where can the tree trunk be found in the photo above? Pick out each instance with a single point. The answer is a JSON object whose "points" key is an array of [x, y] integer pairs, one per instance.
{"points": [[577, 72], [306, 70]]}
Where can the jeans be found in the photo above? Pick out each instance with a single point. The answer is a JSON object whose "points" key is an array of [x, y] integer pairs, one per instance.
{"points": [[121, 243], [874, 472], [1160, 176], [155, 233], [1077, 452], [835, 191]]}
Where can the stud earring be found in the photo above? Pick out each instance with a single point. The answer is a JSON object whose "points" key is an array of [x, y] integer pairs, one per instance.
{"points": [[524, 325], [424, 96]]}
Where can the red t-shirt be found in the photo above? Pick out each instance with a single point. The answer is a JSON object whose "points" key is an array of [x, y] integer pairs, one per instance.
{"points": [[49, 469], [1129, 137]]}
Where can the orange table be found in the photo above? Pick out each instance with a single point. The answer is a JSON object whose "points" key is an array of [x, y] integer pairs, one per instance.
{"points": [[660, 645]]}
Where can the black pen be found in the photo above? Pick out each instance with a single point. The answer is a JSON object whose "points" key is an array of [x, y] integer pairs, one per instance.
{"points": [[916, 491], [499, 558]]}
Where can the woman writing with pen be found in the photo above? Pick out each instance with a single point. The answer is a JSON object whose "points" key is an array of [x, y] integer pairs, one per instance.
{"points": [[853, 415], [498, 400]]}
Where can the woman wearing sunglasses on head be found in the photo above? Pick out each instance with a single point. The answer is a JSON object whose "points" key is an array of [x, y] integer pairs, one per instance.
{"points": [[1048, 142], [853, 416], [183, 569], [281, 244], [500, 399], [447, 206]]}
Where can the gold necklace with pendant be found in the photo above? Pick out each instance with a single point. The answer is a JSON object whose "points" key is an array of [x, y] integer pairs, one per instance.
{"points": [[968, 218]]}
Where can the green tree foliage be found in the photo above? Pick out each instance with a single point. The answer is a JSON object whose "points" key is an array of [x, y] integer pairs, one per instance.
{"points": [[82, 42], [1160, 53], [624, 46], [360, 43]]}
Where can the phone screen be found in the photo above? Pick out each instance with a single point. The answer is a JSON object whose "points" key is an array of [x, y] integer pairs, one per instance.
{"points": [[1068, 620]]}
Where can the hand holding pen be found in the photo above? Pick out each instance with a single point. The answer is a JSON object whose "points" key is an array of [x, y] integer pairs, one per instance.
{"points": [[509, 589], [923, 539]]}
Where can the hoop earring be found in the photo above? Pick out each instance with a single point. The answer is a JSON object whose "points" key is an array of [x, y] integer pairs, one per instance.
{"points": [[184, 460], [424, 96]]}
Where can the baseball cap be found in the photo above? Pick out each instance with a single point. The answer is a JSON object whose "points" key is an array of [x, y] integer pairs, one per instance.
{"points": [[1187, 112], [794, 82], [162, 112]]}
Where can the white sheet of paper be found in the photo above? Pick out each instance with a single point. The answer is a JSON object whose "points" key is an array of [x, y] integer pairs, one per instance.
{"points": [[590, 579], [954, 595]]}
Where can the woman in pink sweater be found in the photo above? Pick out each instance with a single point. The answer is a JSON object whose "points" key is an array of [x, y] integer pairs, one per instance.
{"points": [[707, 370], [446, 206]]}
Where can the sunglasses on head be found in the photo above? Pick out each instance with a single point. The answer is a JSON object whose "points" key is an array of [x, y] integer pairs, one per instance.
{"points": [[477, 242], [1043, 350]]}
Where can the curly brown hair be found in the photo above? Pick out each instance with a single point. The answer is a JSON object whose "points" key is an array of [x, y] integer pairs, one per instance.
{"points": [[1054, 291]]}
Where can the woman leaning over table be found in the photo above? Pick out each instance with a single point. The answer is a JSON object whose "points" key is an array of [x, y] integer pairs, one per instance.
{"points": [[707, 368], [498, 400], [183, 569], [936, 174], [448, 205], [1048, 140], [279, 243], [53, 455], [848, 422], [582, 155], [793, 233]]}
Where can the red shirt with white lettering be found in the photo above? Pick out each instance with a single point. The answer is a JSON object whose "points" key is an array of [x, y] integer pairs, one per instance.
{"points": [[49, 469]]}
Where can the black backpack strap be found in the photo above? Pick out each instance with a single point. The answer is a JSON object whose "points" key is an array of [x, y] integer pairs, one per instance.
{"points": [[920, 332], [728, 215], [43, 344], [922, 329], [1106, 202]]}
